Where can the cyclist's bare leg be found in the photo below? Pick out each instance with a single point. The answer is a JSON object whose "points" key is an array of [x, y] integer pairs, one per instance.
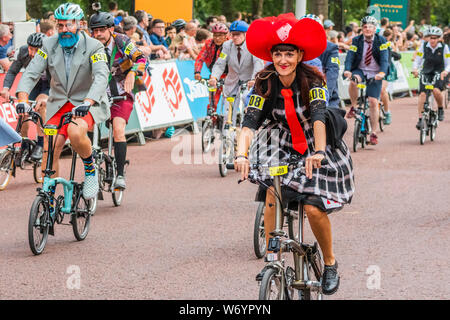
{"points": [[438, 96], [385, 95], [321, 228], [24, 129], [119, 125], [353, 91], [269, 214], [79, 139], [421, 101], [374, 114], [41, 107]]}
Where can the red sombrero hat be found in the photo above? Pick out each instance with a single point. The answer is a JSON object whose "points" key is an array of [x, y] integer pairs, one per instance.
{"points": [[306, 34]]}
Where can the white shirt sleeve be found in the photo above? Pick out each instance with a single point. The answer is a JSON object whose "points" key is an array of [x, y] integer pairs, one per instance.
{"points": [[419, 58], [447, 58]]}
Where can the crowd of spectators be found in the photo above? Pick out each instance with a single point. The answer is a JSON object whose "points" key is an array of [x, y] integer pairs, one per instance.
{"points": [[180, 39], [407, 39]]}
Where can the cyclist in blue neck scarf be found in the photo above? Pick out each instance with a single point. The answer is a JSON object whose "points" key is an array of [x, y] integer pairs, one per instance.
{"points": [[68, 33]]}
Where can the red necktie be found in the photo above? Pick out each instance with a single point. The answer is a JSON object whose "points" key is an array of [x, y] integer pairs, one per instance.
{"points": [[368, 56], [298, 137], [239, 54]]}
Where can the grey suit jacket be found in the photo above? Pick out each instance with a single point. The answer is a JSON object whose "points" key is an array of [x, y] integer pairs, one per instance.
{"points": [[245, 70], [88, 76]]}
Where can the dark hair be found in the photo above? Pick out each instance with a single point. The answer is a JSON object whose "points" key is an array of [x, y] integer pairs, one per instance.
{"points": [[46, 26], [155, 21], [112, 5], [168, 28], [202, 34], [48, 14], [210, 19], [139, 15], [387, 33], [306, 76], [119, 29], [384, 21]]}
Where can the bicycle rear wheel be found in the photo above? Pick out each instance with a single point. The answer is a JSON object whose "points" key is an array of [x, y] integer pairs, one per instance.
{"points": [[38, 225], [81, 218], [6, 168], [432, 132], [273, 286], [423, 132], [259, 234]]}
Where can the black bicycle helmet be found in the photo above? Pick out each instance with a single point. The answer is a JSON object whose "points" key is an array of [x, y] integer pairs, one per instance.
{"points": [[101, 19], [35, 39], [179, 24]]}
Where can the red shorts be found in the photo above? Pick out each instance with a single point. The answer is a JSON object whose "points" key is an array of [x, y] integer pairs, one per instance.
{"points": [[68, 108], [122, 108]]}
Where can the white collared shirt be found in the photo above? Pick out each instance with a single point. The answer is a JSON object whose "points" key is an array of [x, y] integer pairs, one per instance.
{"points": [[371, 70], [418, 62]]}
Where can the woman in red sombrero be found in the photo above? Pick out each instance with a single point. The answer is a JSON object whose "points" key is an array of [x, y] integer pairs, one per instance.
{"points": [[290, 98]]}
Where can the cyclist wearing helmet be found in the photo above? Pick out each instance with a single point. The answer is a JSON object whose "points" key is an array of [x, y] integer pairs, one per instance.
{"points": [[210, 53], [127, 63], [433, 56], [39, 92], [367, 58], [79, 70], [242, 65]]}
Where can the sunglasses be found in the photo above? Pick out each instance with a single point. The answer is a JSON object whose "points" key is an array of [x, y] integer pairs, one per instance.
{"points": [[434, 38]]}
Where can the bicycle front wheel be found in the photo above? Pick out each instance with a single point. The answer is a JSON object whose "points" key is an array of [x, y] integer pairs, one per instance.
{"points": [[6, 168], [38, 225], [356, 134], [81, 218], [273, 286], [207, 135], [223, 156], [259, 234], [381, 119]]}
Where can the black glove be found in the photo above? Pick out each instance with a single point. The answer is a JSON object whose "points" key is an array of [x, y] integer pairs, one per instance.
{"points": [[23, 107], [82, 110]]}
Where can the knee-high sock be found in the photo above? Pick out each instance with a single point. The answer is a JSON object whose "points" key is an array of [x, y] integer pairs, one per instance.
{"points": [[120, 152]]}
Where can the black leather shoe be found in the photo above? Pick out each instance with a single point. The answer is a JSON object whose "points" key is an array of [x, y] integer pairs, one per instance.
{"points": [[441, 114], [36, 155], [330, 279], [419, 124]]}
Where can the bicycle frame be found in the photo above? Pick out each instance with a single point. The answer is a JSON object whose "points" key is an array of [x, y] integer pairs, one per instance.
{"points": [[49, 182], [302, 252]]}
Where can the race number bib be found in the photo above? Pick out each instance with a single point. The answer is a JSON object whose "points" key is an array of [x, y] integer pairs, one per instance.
{"points": [[256, 101], [317, 94], [99, 57], [42, 54]]}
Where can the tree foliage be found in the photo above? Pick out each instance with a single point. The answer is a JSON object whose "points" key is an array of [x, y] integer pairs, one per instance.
{"points": [[434, 11]]}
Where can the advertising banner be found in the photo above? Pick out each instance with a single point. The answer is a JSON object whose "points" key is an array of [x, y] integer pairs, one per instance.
{"points": [[197, 93], [164, 103], [395, 10]]}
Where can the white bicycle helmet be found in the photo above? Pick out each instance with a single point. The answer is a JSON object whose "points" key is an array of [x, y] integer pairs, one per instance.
{"points": [[435, 31], [311, 16], [369, 20], [69, 11]]}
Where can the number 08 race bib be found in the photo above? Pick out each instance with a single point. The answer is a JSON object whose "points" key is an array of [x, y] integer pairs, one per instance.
{"points": [[317, 94], [256, 101]]}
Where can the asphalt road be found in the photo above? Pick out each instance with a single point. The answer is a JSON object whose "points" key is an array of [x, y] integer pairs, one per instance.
{"points": [[183, 232]]}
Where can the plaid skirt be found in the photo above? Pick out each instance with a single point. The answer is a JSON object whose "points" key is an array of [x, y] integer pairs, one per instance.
{"points": [[272, 146]]}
